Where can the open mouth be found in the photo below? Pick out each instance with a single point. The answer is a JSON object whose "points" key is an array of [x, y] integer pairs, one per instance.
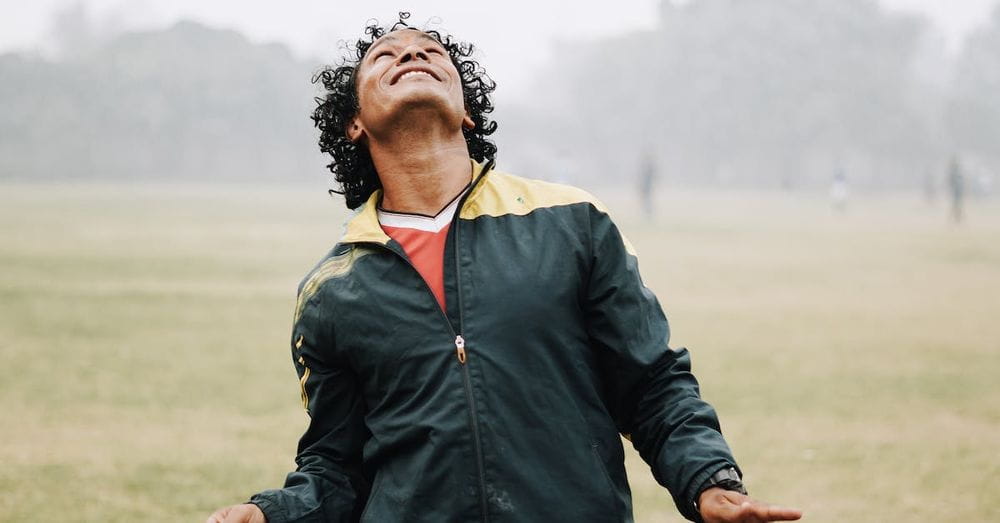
{"points": [[414, 73]]}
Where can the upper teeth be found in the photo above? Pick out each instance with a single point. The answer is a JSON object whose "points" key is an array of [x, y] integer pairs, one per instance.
{"points": [[411, 73]]}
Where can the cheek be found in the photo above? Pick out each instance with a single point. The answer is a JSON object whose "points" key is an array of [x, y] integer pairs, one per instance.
{"points": [[367, 88], [368, 75], [459, 96], [457, 88]]}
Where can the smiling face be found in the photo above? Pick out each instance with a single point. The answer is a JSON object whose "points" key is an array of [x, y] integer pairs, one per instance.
{"points": [[406, 74]]}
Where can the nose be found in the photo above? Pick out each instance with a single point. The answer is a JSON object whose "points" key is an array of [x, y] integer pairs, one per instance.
{"points": [[413, 52]]}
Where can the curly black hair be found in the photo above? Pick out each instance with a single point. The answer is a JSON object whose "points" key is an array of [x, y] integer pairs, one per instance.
{"points": [[352, 165]]}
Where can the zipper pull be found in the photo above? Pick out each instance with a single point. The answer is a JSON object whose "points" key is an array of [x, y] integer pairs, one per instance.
{"points": [[460, 348]]}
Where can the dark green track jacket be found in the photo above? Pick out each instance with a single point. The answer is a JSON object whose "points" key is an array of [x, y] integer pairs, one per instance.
{"points": [[509, 407]]}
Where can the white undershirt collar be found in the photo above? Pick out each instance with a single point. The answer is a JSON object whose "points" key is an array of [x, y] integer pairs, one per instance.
{"points": [[419, 221]]}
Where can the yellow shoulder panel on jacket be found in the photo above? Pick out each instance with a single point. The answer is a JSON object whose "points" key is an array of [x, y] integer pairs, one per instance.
{"points": [[331, 268], [503, 194]]}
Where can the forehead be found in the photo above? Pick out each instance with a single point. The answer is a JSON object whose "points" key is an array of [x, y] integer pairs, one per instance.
{"points": [[403, 36]]}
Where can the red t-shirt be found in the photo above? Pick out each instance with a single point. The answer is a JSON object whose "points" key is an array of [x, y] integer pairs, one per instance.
{"points": [[422, 238]]}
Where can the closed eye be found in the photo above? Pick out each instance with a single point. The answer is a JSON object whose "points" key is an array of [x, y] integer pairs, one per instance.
{"points": [[381, 54]]}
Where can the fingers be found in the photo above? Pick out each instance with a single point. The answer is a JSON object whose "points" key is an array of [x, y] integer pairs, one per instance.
{"points": [[724, 506], [238, 514], [756, 511], [245, 513], [776, 513], [219, 515]]}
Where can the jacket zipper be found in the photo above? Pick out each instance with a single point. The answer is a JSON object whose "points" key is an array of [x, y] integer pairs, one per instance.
{"points": [[460, 353], [463, 358], [474, 422]]}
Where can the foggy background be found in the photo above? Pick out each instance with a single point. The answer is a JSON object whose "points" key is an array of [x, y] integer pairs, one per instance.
{"points": [[776, 94], [810, 185]]}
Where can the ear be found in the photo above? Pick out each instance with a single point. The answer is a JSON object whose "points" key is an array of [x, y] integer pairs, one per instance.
{"points": [[467, 122], [354, 130]]}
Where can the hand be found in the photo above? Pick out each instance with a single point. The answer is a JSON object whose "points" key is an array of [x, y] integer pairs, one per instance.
{"points": [[245, 513], [725, 506]]}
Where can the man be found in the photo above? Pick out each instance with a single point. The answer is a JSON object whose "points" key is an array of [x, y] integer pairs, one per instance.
{"points": [[475, 343], [956, 189], [647, 183]]}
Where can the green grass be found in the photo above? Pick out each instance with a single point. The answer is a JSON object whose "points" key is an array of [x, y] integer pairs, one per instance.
{"points": [[144, 371]]}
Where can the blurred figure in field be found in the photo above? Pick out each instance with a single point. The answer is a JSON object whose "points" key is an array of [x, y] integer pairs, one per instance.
{"points": [[647, 183], [956, 189], [839, 192]]}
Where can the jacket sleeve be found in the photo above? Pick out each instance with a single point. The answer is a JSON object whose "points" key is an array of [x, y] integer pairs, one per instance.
{"points": [[650, 390], [328, 484]]}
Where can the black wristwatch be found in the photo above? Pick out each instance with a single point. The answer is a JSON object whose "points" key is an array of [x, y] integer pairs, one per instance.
{"points": [[727, 478]]}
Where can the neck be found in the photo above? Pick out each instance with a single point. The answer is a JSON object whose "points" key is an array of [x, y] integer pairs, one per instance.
{"points": [[420, 170]]}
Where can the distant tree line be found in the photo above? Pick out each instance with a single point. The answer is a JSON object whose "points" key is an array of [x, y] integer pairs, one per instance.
{"points": [[773, 93], [778, 93], [187, 103]]}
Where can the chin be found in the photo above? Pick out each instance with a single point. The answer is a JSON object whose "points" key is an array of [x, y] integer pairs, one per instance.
{"points": [[428, 104], [423, 94]]}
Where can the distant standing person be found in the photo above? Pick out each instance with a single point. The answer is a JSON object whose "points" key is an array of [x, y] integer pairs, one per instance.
{"points": [[956, 188], [838, 191], [647, 184]]}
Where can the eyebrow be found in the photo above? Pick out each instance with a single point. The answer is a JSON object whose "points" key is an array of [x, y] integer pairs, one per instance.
{"points": [[393, 38]]}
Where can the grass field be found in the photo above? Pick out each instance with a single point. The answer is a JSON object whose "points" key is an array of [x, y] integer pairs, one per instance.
{"points": [[145, 374]]}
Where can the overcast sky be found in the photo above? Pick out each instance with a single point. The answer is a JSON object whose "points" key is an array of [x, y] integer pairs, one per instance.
{"points": [[313, 27]]}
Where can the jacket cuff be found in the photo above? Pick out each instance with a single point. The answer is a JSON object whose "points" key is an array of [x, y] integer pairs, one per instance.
{"points": [[272, 511]]}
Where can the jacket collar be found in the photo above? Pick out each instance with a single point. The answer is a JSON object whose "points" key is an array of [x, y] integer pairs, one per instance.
{"points": [[363, 225]]}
